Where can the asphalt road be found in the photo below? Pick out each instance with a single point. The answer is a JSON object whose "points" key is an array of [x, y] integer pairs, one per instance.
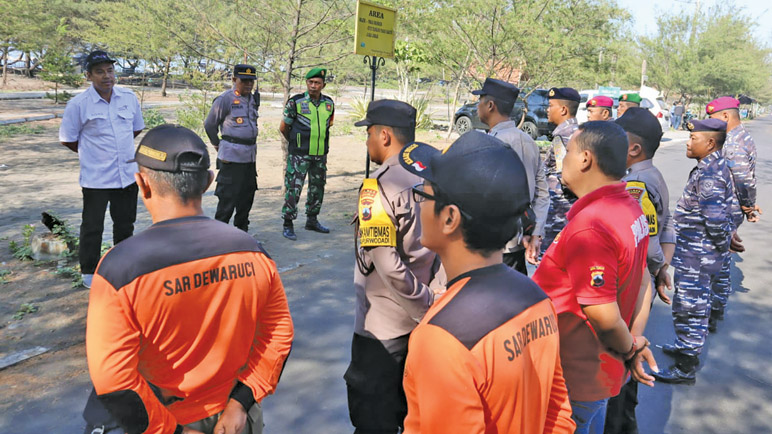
{"points": [[733, 386]]}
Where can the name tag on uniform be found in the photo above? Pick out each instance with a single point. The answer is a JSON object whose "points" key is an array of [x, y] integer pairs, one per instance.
{"points": [[304, 109]]}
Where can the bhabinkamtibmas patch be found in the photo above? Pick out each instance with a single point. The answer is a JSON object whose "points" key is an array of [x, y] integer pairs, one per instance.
{"points": [[638, 191], [375, 226]]}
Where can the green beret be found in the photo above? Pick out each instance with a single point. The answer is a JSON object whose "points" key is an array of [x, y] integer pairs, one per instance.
{"points": [[631, 97], [317, 72]]}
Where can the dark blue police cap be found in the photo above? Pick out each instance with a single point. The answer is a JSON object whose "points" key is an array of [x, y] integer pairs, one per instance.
{"points": [[709, 125], [389, 112], [499, 89], [246, 72], [478, 173], [564, 93], [642, 123]]}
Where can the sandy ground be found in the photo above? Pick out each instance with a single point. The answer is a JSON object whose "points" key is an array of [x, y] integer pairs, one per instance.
{"points": [[38, 174]]}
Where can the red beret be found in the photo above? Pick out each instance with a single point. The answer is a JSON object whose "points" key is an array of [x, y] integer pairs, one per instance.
{"points": [[723, 103], [601, 101]]}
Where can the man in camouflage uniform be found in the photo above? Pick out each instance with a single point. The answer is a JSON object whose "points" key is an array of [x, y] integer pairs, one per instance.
{"points": [[704, 226], [740, 154], [600, 108], [306, 126], [563, 105]]}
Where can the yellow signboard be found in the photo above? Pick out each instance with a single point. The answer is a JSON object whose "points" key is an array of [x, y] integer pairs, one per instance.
{"points": [[374, 30]]}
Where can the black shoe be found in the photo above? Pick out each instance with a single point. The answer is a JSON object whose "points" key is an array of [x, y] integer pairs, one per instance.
{"points": [[312, 224], [289, 233], [675, 375], [670, 350]]}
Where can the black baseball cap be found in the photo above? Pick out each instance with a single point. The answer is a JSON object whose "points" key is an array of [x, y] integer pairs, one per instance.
{"points": [[478, 173], [498, 89], [96, 57], [162, 147], [247, 72], [642, 123], [389, 112], [564, 93]]}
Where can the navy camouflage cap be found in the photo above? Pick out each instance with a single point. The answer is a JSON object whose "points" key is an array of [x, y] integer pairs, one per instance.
{"points": [[564, 93], [708, 125]]}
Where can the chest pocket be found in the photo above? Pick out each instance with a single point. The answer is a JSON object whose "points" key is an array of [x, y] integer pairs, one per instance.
{"points": [[124, 121], [239, 114]]}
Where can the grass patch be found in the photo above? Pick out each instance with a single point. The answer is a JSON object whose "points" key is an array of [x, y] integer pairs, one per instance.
{"points": [[20, 129], [25, 309]]}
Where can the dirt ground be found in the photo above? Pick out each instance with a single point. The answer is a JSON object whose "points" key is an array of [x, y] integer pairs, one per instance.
{"points": [[38, 174]]}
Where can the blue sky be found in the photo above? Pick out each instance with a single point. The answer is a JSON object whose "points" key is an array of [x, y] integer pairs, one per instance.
{"points": [[645, 12]]}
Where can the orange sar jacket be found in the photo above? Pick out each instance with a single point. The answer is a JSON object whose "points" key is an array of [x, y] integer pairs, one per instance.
{"points": [[485, 359], [192, 308]]}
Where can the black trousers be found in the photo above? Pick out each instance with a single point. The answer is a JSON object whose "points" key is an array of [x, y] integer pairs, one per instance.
{"points": [[376, 399], [123, 211], [236, 186], [516, 260], [620, 413]]}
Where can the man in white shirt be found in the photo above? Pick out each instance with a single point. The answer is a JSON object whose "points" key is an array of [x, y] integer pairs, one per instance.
{"points": [[100, 125]]}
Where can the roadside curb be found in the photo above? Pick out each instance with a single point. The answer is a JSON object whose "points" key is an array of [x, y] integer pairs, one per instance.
{"points": [[30, 119]]}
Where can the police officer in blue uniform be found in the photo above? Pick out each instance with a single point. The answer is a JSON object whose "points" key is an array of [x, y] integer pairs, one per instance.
{"points": [[704, 226], [234, 113], [563, 105], [646, 183]]}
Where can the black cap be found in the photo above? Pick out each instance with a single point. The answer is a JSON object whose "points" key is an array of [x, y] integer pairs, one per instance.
{"points": [[162, 147], [712, 125], [498, 89], [247, 72], [479, 173], [642, 123], [96, 57], [389, 112], [564, 93]]}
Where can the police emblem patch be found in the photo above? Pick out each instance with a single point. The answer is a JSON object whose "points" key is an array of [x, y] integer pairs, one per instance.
{"points": [[237, 101], [596, 276], [239, 121], [552, 92]]}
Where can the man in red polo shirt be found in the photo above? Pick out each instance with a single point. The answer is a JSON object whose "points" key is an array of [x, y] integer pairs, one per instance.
{"points": [[594, 271]]}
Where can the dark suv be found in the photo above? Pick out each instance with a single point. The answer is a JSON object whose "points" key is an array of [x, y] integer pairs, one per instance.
{"points": [[535, 124]]}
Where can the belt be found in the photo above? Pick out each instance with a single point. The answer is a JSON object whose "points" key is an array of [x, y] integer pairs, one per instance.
{"points": [[240, 141]]}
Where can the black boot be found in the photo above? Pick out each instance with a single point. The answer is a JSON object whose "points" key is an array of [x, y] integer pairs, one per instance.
{"points": [[312, 224], [684, 371], [289, 230], [716, 315]]}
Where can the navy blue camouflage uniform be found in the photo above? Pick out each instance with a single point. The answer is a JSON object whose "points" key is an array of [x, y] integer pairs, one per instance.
{"points": [[703, 224], [740, 154], [553, 164]]}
